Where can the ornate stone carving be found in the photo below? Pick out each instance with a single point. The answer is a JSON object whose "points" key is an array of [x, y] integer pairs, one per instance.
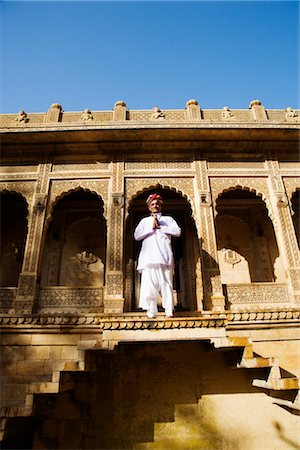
{"points": [[157, 114], [117, 199], [290, 114], [236, 165], [273, 314], [114, 284], [61, 297], [226, 113], [141, 168], [22, 117], [291, 185], [7, 296], [39, 202], [26, 285], [256, 293], [61, 187], [134, 186], [86, 116], [231, 257], [25, 188], [81, 168], [257, 185]]}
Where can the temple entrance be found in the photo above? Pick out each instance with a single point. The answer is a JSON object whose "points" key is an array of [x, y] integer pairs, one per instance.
{"points": [[185, 250]]}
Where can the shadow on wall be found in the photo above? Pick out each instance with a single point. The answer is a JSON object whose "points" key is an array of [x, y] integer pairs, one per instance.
{"points": [[139, 396]]}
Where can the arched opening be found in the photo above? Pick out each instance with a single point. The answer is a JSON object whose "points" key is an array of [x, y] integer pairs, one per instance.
{"points": [[296, 214], [14, 227], [185, 249], [75, 245], [246, 240]]}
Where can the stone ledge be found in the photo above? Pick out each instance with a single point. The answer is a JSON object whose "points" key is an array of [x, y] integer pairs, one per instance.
{"points": [[205, 319]]}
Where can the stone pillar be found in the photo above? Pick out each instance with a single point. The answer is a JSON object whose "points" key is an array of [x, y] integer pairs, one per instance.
{"points": [[27, 287], [114, 293], [213, 294], [284, 230]]}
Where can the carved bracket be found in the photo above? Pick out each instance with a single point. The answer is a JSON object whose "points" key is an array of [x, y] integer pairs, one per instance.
{"points": [[118, 199]]}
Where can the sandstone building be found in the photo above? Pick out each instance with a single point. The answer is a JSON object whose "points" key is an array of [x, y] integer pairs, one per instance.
{"points": [[81, 366]]}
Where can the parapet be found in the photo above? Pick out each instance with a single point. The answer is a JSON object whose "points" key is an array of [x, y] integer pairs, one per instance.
{"points": [[255, 115]]}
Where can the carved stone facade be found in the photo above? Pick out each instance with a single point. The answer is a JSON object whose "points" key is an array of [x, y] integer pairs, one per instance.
{"points": [[231, 179]]}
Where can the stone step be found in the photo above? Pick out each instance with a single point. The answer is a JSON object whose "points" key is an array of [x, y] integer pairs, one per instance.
{"points": [[281, 384], [256, 362]]}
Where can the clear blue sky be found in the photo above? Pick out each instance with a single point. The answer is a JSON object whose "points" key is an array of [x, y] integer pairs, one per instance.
{"points": [[91, 54]]}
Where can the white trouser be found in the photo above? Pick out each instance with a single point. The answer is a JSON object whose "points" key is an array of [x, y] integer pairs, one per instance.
{"points": [[156, 281]]}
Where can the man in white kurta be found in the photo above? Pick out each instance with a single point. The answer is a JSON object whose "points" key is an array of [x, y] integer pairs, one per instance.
{"points": [[156, 262]]}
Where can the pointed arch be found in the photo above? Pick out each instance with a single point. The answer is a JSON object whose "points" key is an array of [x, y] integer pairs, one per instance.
{"points": [[75, 238], [182, 186], [64, 194], [259, 259]]}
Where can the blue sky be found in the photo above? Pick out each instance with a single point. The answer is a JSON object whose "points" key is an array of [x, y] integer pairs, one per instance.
{"points": [[91, 54]]}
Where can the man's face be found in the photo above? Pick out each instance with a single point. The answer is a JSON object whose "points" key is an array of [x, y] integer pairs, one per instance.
{"points": [[155, 206]]}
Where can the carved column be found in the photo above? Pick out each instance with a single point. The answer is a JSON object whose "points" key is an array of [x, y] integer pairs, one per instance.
{"points": [[27, 287], [114, 296], [213, 294], [284, 230]]}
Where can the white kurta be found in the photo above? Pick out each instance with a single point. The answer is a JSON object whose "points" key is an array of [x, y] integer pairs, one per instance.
{"points": [[156, 262], [156, 246]]}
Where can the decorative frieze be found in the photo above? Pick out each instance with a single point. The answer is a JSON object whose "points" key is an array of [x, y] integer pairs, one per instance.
{"points": [[76, 167], [202, 320], [147, 166], [238, 165], [64, 297], [257, 294]]}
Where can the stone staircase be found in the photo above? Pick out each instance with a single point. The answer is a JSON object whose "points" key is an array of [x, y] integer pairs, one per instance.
{"points": [[277, 379]]}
